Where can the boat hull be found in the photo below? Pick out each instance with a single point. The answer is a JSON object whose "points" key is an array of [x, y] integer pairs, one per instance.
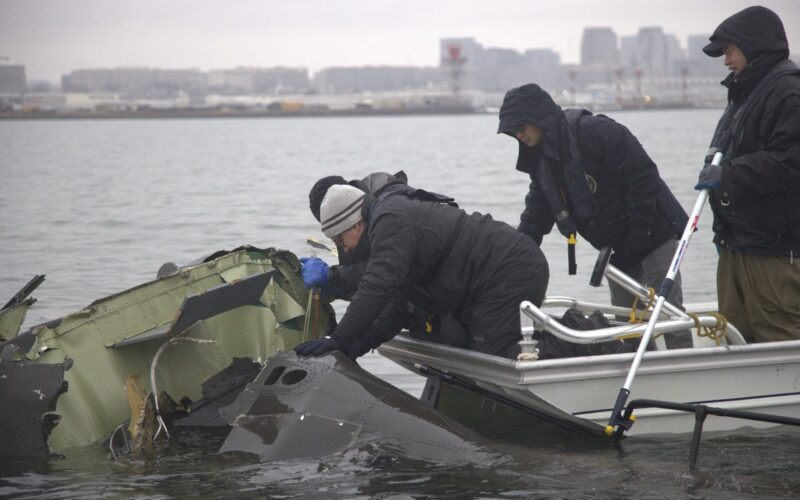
{"points": [[761, 378]]}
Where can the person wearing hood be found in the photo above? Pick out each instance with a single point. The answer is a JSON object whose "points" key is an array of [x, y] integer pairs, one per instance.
{"points": [[590, 176], [754, 191], [470, 267]]}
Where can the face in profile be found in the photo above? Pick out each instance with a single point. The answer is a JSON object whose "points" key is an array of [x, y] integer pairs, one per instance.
{"points": [[348, 239], [734, 58], [529, 135]]}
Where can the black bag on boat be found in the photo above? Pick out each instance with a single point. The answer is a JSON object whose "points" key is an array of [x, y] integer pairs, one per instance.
{"points": [[552, 347]]}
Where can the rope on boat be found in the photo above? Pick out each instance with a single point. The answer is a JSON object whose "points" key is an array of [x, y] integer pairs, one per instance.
{"points": [[716, 332], [650, 301], [528, 356], [634, 319]]}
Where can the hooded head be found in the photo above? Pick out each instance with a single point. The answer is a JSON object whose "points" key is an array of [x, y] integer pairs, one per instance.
{"points": [[340, 209], [755, 30], [528, 104]]}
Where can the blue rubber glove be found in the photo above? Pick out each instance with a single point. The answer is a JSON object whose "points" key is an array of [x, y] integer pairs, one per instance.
{"points": [[710, 177], [317, 347], [314, 271]]}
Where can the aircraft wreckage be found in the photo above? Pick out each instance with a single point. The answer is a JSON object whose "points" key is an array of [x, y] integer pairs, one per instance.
{"points": [[74, 380], [189, 349]]}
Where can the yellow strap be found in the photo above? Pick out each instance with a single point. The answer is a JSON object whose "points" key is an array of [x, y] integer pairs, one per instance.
{"points": [[429, 324], [634, 319], [716, 332]]}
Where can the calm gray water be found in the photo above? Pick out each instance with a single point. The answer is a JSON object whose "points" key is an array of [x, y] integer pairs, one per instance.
{"points": [[98, 206]]}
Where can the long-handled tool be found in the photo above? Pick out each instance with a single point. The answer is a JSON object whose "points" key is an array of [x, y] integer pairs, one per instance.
{"points": [[616, 419]]}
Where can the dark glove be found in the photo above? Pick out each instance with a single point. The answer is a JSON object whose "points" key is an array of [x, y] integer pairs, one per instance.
{"points": [[528, 229], [358, 348], [710, 177], [318, 347], [637, 242], [314, 271]]}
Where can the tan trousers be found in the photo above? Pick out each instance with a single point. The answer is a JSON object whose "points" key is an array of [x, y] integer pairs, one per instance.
{"points": [[760, 295]]}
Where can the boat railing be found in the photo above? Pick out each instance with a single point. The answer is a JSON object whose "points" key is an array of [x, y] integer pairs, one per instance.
{"points": [[639, 290], [544, 321], [673, 319]]}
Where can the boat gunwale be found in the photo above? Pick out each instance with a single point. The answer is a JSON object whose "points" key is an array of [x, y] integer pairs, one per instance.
{"points": [[451, 355]]}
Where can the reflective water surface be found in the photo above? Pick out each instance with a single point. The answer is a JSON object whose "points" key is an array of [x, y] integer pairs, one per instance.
{"points": [[98, 206]]}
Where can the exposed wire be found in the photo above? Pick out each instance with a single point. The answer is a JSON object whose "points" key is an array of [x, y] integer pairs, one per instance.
{"points": [[174, 340]]}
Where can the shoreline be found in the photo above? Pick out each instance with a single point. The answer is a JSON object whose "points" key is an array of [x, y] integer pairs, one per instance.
{"points": [[234, 113], [311, 112]]}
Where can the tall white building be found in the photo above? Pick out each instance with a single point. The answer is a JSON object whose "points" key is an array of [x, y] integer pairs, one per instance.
{"points": [[651, 54], [599, 47], [12, 77]]}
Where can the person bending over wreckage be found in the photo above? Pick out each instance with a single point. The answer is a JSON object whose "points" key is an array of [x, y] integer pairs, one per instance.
{"points": [[589, 175], [341, 281], [422, 251]]}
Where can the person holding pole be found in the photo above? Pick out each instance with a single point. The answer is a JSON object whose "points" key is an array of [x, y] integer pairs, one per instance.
{"points": [[755, 191], [591, 176]]}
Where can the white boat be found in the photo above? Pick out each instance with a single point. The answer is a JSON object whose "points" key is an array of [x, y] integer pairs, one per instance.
{"points": [[733, 376]]}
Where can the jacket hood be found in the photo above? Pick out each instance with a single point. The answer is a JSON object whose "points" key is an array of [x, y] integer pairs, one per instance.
{"points": [[529, 104], [755, 30], [375, 183]]}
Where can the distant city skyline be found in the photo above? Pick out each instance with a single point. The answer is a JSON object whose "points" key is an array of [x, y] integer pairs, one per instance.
{"points": [[53, 38]]}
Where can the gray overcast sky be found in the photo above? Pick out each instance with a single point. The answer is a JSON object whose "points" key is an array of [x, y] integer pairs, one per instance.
{"points": [[53, 37]]}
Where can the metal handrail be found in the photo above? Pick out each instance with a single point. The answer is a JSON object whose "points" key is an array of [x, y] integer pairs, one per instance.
{"points": [[583, 306], [548, 323], [636, 288], [677, 320]]}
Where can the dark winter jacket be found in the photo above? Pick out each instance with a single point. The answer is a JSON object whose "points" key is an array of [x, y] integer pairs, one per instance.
{"points": [[591, 174], [426, 252], [757, 207], [345, 277]]}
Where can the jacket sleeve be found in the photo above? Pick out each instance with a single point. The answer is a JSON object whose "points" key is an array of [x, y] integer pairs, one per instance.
{"points": [[776, 167], [344, 279], [389, 323], [622, 154], [391, 320], [537, 218], [393, 245]]}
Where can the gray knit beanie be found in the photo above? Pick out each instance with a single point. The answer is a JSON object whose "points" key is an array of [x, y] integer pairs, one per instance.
{"points": [[340, 209]]}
